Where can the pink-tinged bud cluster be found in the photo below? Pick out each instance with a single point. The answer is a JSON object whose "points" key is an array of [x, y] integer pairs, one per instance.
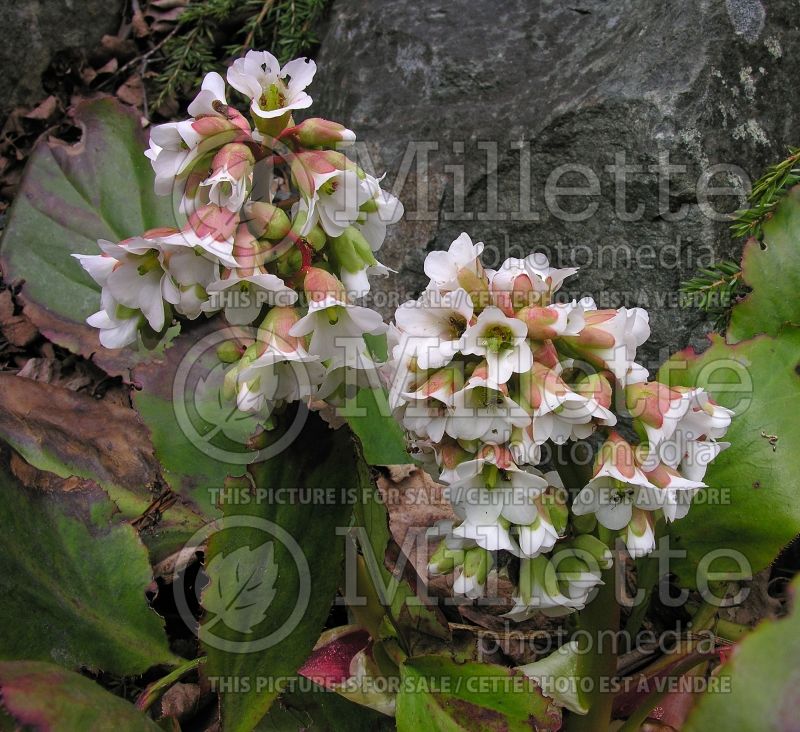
{"points": [[491, 372], [277, 229]]}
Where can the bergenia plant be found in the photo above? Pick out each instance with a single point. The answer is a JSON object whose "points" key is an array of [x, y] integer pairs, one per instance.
{"points": [[565, 460]]}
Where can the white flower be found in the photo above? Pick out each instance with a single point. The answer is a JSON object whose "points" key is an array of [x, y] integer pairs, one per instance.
{"points": [[273, 90], [617, 486], [640, 538], [491, 487], [337, 330], [335, 203], [432, 326], [426, 410], [502, 341], [539, 591], [610, 338], [382, 209], [443, 268], [531, 281], [538, 537], [174, 146], [244, 295], [137, 280], [192, 273], [483, 411], [211, 95]]}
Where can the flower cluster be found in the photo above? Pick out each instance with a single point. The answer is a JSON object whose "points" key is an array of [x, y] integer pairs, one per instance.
{"points": [[272, 218], [487, 370]]}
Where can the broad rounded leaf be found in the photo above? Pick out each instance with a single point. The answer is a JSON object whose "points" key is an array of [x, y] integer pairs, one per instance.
{"points": [[772, 269], [47, 698], [72, 583], [758, 684], [320, 465], [438, 693], [71, 196], [751, 505]]}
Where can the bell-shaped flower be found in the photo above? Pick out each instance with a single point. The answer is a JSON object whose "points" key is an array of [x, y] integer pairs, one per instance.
{"points": [[656, 410], [273, 90], [673, 493], [502, 341], [616, 486], [483, 411], [640, 537], [243, 291], [427, 410], [448, 270], [552, 321], [609, 340], [138, 280], [492, 486], [332, 196], [193, 273], [280, 368], [432, 326], [337, 328], [231, 176], [471, 579], [539, 590], [378, 212]]}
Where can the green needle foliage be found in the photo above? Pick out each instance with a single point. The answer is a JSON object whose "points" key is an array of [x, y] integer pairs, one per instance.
{"points": [[206, 28], [717, 288], [767, 193]]}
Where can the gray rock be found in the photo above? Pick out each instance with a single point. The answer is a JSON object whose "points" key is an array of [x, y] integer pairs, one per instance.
{"points": [[704, 83], [33, 33]]}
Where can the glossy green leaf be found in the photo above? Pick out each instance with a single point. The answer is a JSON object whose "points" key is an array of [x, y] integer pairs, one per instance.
{"points": [[751, 505], [72, 583], [199, 437], [382, 437], [756, 689], [71, 196], [772, 268], [438, 693], [287, 518], [48, 698]]}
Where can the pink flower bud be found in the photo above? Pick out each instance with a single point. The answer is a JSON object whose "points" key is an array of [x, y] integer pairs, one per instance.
{"points": [[318, 132], [274, 330], [234, 158], [320, 284], [213, 221], [539, 321]]}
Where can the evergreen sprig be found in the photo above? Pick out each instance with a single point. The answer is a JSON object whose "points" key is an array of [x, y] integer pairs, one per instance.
{"points": [[199, 43], [766, 194], [715, 290]]}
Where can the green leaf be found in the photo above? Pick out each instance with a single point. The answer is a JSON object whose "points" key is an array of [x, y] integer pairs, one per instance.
{"points": [[772, 269], [758, 684], [196, 452], [72, 584], [70, 433], [381, 436], [69, 197], [438, 693], [316, 709], [751, 505], [42, 696], [307, 551]]}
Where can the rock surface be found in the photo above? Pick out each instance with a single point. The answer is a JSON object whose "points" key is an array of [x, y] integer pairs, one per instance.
{"points": [[38, 33], [580, 84]]}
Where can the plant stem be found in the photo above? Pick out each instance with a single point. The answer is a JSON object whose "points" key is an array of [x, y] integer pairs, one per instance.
{"points": [[635, 721], [153, 692], [599, 623], [731, 631]]}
